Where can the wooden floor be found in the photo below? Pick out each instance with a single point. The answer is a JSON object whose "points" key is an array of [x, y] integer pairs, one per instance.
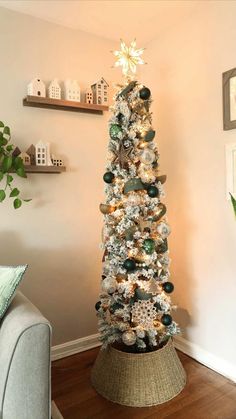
{"points": [[207, 395]]}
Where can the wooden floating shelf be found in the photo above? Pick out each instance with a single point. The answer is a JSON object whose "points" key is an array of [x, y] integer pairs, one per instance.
{"points": [[44, 169], [63, 105]]}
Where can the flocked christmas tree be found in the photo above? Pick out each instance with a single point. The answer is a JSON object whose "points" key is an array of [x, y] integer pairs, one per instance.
{"points": [[135, 306]]}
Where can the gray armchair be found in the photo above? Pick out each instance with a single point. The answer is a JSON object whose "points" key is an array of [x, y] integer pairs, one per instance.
{"points": [[25, 342]]}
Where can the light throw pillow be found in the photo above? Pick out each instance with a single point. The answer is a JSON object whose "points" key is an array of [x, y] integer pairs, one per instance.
{"points": [[10, 277]]}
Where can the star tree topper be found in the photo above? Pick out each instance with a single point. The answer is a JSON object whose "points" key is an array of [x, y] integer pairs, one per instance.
{"points": [[128, 58]]}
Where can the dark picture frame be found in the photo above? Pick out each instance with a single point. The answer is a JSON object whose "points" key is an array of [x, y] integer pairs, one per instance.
{"points": [[229, 99]]}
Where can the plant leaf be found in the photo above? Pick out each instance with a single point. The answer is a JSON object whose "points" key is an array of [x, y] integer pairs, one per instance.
{"points": [[18, 162], [9, 179], [27, 200], [6, 130], [1, 124], [17, 203], [233, 200], [1, 176], [14, 192], [21, 172], [9, 147], [3, 141], [2, 195], [7, 163]]}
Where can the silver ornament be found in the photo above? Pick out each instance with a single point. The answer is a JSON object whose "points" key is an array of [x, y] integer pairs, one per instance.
{"points": [[109, 284], [163, 229], [147, 156], [133, 199], [129, 337]]}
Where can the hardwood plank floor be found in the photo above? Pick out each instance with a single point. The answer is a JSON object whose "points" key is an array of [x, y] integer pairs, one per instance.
{"points": [[207, 394]]}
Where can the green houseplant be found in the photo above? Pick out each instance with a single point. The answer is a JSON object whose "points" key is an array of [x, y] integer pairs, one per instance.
{"points": [[9, 164]]}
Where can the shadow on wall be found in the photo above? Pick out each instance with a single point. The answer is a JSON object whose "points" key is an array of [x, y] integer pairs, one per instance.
{"points": [[65, 279], [178, 210]]}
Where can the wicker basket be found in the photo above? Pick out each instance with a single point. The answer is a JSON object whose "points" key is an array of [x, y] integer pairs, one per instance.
{"points": [[139, 379]]}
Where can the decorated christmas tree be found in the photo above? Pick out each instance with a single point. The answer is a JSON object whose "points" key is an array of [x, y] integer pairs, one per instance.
{"points": [[135, 307]]}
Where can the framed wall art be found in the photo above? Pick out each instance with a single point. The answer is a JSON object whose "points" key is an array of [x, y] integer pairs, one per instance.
{"points": [[229, 99]]}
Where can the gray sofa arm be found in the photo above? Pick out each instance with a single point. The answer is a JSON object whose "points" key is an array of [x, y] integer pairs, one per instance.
{"points": [[25, 341]]}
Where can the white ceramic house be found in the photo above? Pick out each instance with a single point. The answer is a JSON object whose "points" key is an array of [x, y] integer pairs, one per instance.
{"points": [[88, 96], [41, 154], [56, 161], [36, 88], [72, 90], [100, 92], [26, 158], [54, 90]]}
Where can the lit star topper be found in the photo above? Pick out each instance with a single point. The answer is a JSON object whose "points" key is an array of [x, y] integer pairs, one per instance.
{"points": [[128, 57]]}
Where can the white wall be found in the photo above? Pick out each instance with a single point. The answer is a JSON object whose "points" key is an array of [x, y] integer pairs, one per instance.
{"points": [[184, 74], [58, 234]]}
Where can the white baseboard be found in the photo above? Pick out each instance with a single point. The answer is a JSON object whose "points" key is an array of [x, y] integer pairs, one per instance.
{"points": [[201, 355], [206, 358], [75, 346]]}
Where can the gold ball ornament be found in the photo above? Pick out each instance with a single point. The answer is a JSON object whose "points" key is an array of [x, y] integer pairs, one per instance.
{"points": [[121, 277], [106, 209], [159, 326]]}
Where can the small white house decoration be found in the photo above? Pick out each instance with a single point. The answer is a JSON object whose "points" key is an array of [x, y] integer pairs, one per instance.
{"points": [[72, 90], [88, 96], [26, 158], [41, 154], [56, 161], [100, 92], [54, 90], [36, 88]]}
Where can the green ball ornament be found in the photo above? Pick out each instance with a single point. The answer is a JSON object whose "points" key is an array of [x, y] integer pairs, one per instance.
{"points": [[144, 93], [152, 191], [129, 265], [168, 287], [166, 319], [149, 136], [115, 130], [108, 177], [98, 305], [149, 246]]}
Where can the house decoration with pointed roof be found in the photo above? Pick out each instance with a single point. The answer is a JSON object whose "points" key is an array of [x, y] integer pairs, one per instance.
{"points": [[16, 152], [36, 88], [88, 96], [100, 92], [54, 90], [25, 157], [41, 154], [31, 152], [56, 161], [72, 90]]}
